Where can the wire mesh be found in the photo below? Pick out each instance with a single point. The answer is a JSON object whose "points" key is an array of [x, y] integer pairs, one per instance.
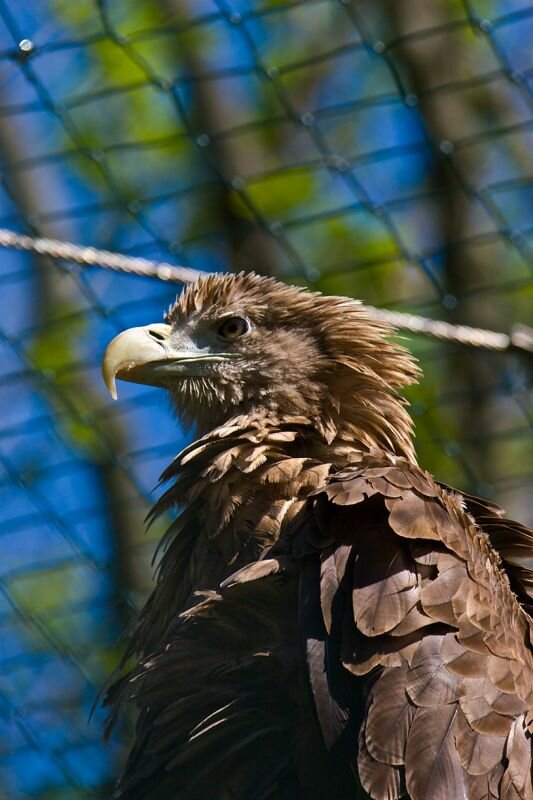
{"points": [[374, 149]]}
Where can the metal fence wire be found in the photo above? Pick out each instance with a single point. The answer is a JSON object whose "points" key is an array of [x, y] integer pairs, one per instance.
{"points": [[371, 148]]}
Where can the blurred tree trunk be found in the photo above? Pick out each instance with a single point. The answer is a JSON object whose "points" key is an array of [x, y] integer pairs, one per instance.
{"points": [[251, 245], [74, 398], [430, 62]]}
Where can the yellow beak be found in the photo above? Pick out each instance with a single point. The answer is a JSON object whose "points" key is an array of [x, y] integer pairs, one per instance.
{"points": [[150, 355], [132, 355]]}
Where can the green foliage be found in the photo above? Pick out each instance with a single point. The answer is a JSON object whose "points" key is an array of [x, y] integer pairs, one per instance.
{"points": [[276, 196], [55, 353]]}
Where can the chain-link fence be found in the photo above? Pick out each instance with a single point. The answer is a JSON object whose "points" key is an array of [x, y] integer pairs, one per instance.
{"points": [[371, 148]]}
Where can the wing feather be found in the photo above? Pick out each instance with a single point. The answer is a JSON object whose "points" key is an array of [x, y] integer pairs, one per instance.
{"points": [[433, 768], [433, 609], [429, 682], [326, 677], [478, 752], [516, 781], [385, 584], [389, 717], [377, 778]]}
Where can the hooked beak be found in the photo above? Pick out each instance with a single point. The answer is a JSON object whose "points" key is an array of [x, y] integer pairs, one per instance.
{"points": [[147, 355]]}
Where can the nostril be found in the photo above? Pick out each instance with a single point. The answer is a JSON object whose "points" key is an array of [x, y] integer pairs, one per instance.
{"points": [[157, 335]]}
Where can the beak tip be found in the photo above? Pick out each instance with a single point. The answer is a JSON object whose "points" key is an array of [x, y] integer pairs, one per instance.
{"points": [[111, 386], [132, 352]]}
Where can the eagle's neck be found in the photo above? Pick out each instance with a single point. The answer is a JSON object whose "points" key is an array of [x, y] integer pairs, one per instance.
{"points": [[255, 455], [235, 489]]}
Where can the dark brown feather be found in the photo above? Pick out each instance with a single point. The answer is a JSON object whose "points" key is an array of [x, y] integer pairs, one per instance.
{"points": [[385, 584], [436, 596], [486, 786], [516, 781], [416, 518], [429, 682], [479, 754], [329, 683], [432, 765], [377, 778], [389, 717]]}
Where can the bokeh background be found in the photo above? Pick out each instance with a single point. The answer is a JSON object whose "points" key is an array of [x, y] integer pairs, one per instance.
{"points": [[373, 148]]}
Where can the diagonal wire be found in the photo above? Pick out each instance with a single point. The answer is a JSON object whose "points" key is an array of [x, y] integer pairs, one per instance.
{"points": [[520, 337]]}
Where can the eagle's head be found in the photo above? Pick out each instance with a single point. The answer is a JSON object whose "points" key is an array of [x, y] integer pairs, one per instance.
{"points": [[244, 344]]}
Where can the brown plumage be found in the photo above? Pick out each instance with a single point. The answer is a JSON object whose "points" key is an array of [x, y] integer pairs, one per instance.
{"points": [[327, 620]]}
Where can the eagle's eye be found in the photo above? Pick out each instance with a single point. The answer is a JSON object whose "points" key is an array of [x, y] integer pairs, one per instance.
{"points": [[233, 327]]}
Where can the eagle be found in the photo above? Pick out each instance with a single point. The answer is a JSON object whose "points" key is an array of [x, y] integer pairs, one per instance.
{"points": [[327, 620]]}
